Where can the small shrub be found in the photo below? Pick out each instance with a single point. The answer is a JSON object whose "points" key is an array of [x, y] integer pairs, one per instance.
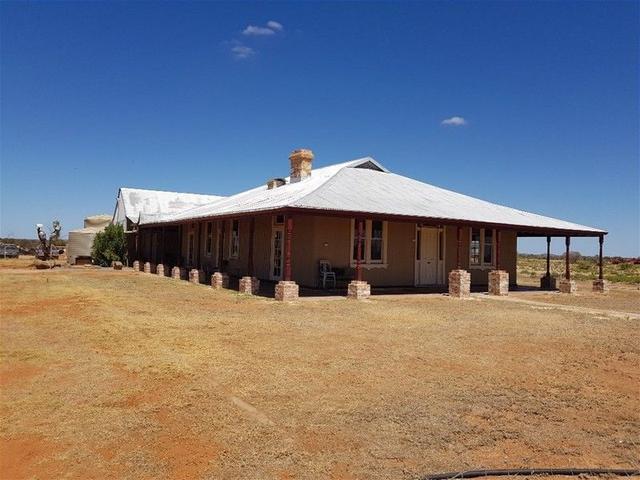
{"points": [[109, 246]]}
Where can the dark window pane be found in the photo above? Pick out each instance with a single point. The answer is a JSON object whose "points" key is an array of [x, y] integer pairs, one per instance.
{"points": [[376, 240], [488, 254], [376, 249]]}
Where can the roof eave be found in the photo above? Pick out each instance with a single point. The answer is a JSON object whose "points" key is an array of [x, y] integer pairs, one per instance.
{"points": [[522, 230]]}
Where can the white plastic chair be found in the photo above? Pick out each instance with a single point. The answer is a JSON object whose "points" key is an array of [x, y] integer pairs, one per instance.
{"points": [[327, 273]]}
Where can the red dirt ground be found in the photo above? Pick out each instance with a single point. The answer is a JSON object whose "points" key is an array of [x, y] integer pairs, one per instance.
{"points": [[124, 375]]}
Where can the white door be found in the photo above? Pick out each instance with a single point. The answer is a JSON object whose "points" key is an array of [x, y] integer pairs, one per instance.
{"points": [[429, 257], [277, 241]]}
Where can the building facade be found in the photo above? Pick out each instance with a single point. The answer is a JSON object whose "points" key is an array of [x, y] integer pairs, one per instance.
{"points": [[356, 220]]}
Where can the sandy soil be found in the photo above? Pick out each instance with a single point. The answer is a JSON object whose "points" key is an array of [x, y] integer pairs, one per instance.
{"points": [[621, 297], [124, 375]]}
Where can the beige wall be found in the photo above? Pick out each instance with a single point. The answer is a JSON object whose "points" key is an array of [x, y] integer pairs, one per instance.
{"points": [[318, 238], [329, 238], [312, 232], [480, 276], [262, 247]]}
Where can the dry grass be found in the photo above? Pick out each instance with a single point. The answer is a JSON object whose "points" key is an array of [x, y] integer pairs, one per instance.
{"points": [[23, 261], [585, 268], [28, 261], [125, 375], [621, 297]]}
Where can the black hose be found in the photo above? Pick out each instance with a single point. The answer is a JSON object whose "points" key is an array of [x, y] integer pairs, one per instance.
{"points": [[532, 471]]}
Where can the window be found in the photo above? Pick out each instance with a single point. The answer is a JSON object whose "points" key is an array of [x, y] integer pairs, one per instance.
{"points": [[475, 247], [234, 248], [487, 256], [373, 242], [481, 247], [209, 241], [278, 220]]}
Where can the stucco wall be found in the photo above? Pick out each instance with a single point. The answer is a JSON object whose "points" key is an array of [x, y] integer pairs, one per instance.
{"points": [[480, 276], [262, 247], [329, 238]]}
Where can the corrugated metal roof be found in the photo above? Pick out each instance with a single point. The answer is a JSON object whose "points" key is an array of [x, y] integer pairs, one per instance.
{"points": [[365, 186], [138, 201]]}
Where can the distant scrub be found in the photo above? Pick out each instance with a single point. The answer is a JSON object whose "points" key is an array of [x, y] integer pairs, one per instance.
{"points": [[616, 269], [30, 243]]}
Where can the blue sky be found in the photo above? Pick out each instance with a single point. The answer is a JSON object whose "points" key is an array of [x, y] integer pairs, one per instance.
{"points": [[185, 97]]}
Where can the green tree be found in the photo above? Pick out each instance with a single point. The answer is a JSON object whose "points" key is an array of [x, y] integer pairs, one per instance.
{"points": [[110, 245]]}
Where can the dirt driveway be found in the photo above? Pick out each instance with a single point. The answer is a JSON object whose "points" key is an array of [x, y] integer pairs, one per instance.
{"points": [[124, 375]]}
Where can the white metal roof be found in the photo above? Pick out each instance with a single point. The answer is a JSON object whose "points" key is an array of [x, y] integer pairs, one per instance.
{"points": [[365, 186], [135, 201]]}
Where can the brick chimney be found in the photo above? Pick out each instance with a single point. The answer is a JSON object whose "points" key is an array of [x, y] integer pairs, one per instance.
{"points": [[300, 164]]}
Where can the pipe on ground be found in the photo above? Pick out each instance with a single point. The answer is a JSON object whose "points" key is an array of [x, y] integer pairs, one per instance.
{"points": [[532, 471]]}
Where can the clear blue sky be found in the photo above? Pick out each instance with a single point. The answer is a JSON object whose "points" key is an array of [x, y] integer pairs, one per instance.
{"points": [[182, 96]]}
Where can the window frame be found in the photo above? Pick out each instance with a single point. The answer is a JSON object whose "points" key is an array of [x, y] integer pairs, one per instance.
{"points": [[366, 261], [482, 264]]}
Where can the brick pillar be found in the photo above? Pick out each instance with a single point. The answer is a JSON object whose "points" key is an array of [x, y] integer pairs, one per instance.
{"points": [[568, 286], [160, 270], [249, 285], [358, 290], [136, 265], [600, 285], [116, 265], [548, 282], [459, 283], [176, 272], [147, 267], [286, 291], [219, 280], [194, 275], [498, 282]]}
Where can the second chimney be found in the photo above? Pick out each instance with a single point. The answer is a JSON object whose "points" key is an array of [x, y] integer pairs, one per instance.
{"points": [[301, 161]]}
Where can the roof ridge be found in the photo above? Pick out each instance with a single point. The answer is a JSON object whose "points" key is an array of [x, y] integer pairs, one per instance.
{"points": [[171, 191]]}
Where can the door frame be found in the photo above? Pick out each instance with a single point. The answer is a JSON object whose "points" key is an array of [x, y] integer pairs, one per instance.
{"points": [[442, 254]]}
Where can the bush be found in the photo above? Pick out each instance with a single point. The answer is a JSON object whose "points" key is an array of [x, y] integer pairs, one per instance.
{"points": [[109, 246]]}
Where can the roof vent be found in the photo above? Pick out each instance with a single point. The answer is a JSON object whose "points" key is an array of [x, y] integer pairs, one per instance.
{"points": [[275, 183], [300, 164]]}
